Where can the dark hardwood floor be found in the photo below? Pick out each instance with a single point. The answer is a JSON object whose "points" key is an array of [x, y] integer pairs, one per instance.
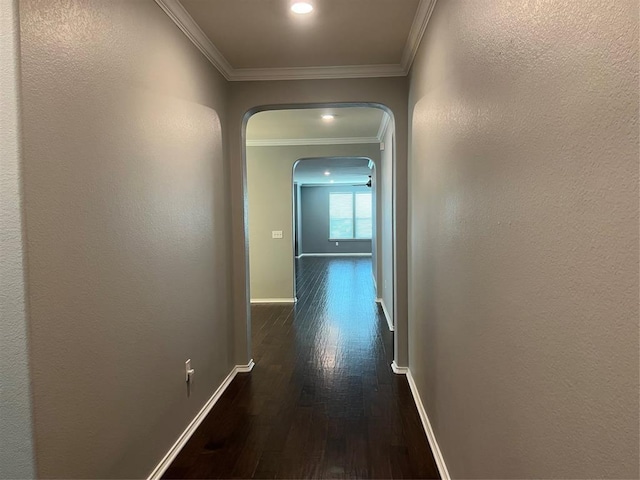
{"points": [[322, 401]]}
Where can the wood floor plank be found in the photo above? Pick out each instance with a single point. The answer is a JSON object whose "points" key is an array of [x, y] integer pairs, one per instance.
{"points": [[322, 401]]}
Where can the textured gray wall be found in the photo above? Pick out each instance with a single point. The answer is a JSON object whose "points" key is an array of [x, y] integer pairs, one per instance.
{"points": [[127, 219], [524, 237], [385, 197], [315, 222], [16, 444]]}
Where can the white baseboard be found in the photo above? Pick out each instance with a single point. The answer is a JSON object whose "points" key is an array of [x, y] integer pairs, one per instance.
{"points": [[386, 315], [431, 437], [399, 370], [245, 368], [197, 420], [274, 300], [334, 255]]}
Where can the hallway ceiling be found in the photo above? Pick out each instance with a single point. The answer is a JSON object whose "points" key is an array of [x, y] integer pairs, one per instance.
{"points": [[303, 127], [306, 127], [300, 127], [264, 40], [344, 171]]}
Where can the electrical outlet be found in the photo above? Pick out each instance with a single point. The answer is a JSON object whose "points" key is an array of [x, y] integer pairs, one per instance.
{"points": [[188, 371], [337, 244]]}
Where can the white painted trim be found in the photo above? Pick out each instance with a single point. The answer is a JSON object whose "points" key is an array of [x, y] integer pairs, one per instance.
{"points": [[311, 73], [286, 142], [186, 23], [273, 300], [399, 370], [431, 436], [335, 255], [418, 27], [173, 452], [245, 368], [384, 126], [387, 316], [378, 300]]}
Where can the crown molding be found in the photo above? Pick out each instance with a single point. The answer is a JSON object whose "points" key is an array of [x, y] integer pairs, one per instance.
{"points": [[384, 126], [315, 73], [418, 27], [185, 22], [292, 142]]}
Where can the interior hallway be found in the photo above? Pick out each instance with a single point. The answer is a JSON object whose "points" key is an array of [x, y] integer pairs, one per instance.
{"points": [[124, 231], [322, 401]]}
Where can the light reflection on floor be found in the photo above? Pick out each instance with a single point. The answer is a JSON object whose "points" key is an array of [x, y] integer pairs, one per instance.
{"points": [[346, 313]]}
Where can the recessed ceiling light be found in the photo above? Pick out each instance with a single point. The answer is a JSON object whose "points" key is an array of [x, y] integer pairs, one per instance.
{"points": [[301, 8], [327, 173], [328, 117]]}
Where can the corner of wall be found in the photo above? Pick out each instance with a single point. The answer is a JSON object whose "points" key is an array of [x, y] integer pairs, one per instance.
{"points": [[17, 457]]}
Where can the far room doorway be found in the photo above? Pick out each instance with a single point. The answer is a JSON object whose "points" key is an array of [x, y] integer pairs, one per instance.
{"points": [[334, 202]]}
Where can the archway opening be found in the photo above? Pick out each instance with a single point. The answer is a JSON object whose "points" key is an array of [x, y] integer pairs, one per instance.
{"points": [[277, 139]]}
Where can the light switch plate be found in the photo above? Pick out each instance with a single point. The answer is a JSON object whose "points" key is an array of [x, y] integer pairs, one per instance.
{"points": [[276, 234]]}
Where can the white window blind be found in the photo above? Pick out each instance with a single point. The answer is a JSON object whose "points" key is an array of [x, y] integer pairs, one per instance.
{"points": [[340, 215], [364, 222], [350, 216]]}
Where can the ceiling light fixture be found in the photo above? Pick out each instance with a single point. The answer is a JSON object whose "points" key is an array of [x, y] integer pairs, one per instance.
{"points": [[328, 117], [327, 173], [301, 8]]}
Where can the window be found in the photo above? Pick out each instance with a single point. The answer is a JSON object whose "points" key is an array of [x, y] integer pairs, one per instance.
{"points": [[350, 216], [364, 222]]}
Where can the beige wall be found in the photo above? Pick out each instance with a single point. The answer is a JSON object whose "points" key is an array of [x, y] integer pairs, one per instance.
{"points": [[269, 187], [16, 444], [246, 96], [127, 227], [524, 237], [385, 287]]}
